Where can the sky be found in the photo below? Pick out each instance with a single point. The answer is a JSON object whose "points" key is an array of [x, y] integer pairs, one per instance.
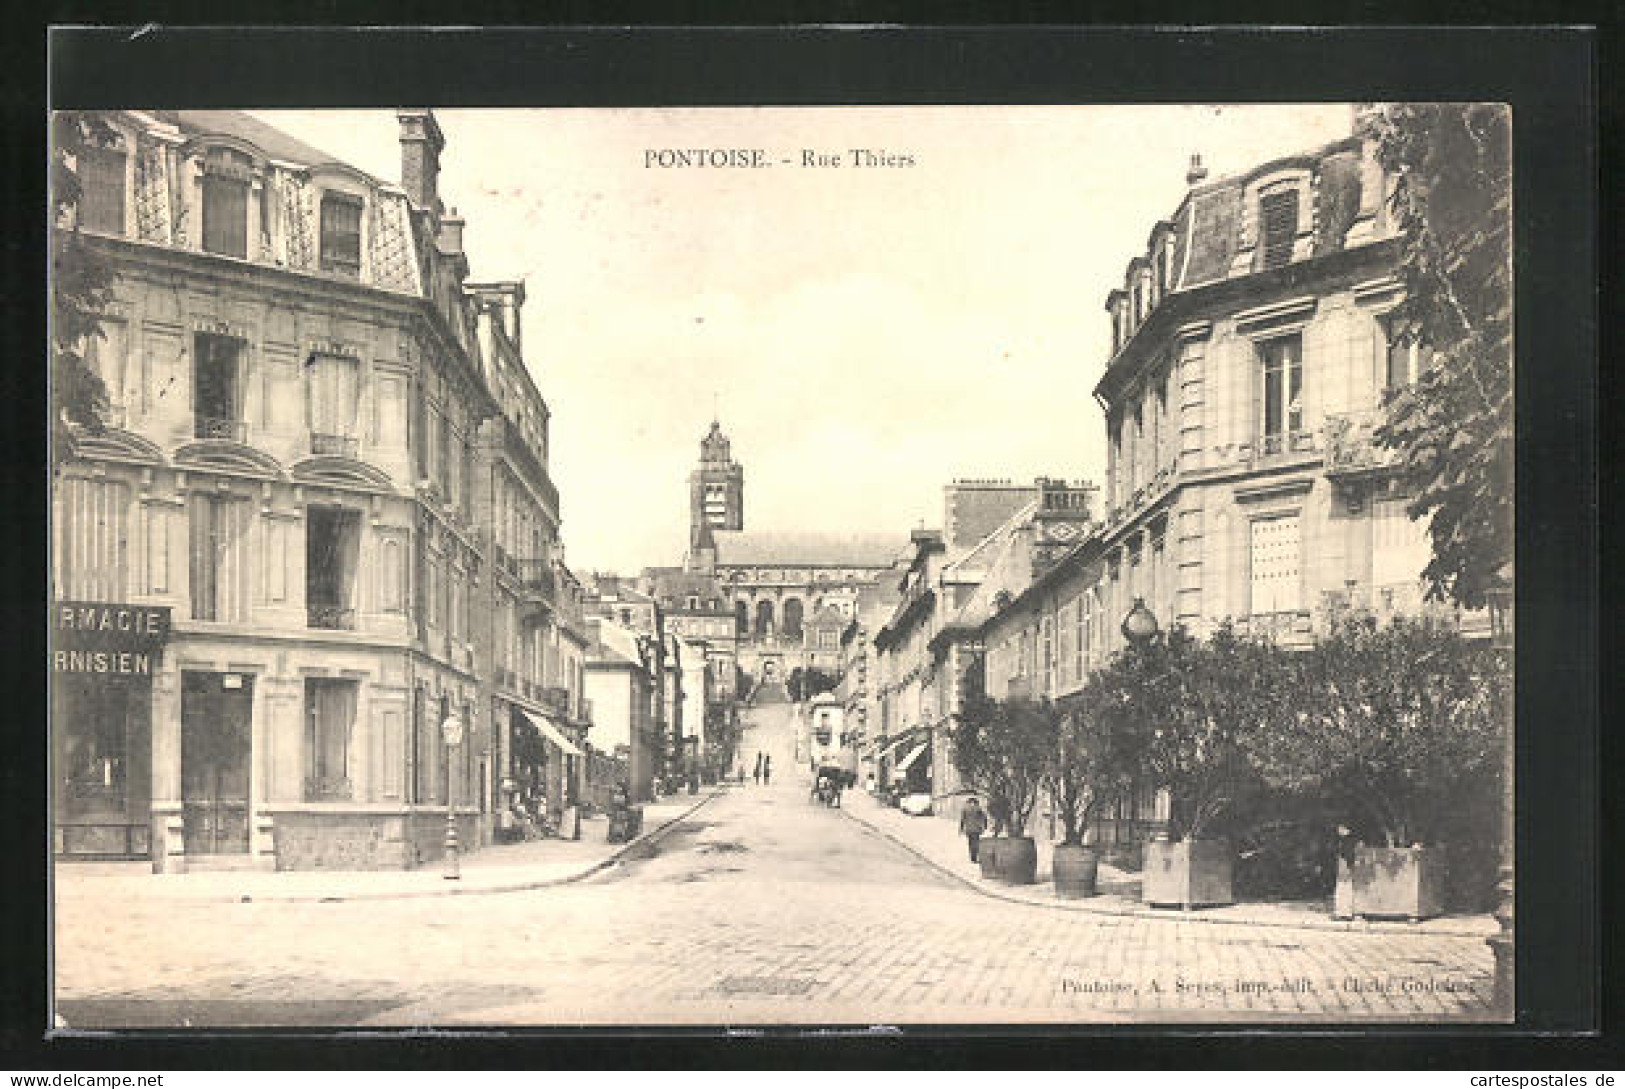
{"points": [[864, 333]]}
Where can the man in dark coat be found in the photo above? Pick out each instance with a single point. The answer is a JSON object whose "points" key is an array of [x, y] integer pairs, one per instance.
{"points": [[767, 769], [757, 774], [972, 823]]}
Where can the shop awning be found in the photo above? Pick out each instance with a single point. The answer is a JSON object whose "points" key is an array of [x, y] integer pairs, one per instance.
{"points": [[893, 744], [552, 733], [913, 755]]}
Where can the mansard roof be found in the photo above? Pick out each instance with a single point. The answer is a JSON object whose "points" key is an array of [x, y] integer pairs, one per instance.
{"points": [[275, 143]]}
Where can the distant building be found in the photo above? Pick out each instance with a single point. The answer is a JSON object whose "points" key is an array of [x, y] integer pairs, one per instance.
{"points": [[997, 535], [780, 589]]}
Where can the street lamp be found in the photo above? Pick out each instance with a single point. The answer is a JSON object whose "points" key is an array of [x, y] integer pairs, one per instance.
{"points": [[1503, 942], [1140, 625], [451, 731]]}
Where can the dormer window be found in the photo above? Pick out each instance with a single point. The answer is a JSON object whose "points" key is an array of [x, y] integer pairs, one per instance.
{"points": [[1278, 226], [226, 176], [101, 188], [341, 234]]}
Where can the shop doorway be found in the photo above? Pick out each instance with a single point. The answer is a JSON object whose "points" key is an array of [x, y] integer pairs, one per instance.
{"points": [[216, 717]]}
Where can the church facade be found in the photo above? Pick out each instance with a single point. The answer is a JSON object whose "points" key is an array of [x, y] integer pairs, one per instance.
{"points": [[784, 598]]}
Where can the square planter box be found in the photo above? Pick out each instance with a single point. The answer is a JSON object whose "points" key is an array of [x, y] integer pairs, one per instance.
{"points": [[1398, 882], [1187, 874]]}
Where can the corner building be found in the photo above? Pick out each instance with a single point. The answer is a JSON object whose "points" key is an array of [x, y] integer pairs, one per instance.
{"points": [[1251, 349], [289, 475]]}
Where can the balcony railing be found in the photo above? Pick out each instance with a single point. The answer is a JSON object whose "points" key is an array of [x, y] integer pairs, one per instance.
{"points": [[535, 575], [1401, 599], [342, 446], [1281, 445], [506, 678], [554, 699], [331, 617], [1350, 447], [211, 427], [1292, 626]]}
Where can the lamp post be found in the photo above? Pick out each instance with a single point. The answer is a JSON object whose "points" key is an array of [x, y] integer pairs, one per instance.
{"points": [[1139, 625], [1503, 943], [1140, 629], [451, 731]]}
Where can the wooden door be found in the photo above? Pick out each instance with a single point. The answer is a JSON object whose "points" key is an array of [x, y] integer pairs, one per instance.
{"points": [[215, 724]]}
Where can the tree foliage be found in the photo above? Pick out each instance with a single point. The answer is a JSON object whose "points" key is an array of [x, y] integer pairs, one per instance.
{"points": [[81, 284], [1453, 429], [1197, 712], [1004, 748], [1095, 760], [1391, 724]]}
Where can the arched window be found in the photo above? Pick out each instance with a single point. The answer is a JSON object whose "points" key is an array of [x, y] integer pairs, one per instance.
{"points": [[741, 619], [764, 619], [792, 618]]}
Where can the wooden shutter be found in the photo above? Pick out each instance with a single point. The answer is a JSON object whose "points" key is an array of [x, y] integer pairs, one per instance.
{"points": [[225, 216], [1275, 551], [341, 234], [101, 185], [92, 540], [1278, 226]]}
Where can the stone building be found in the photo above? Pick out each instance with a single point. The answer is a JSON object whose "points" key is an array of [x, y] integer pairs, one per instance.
{"points": [[1250, 353], [997, 535], [534, 686], [290, 476]]}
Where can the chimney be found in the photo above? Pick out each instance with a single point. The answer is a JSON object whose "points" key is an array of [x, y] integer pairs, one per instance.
{"points": [[1197, 172], [450, 243], [450, 239], [421, 145]]}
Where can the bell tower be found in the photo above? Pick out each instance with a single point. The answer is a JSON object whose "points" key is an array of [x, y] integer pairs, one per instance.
{"points": [[716, 491]]}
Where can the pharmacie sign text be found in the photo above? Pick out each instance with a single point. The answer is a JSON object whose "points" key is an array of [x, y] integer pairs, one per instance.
{"points": [[107, 637]]}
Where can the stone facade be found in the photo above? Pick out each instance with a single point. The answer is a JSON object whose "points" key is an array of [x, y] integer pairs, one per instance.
{"points": [[297, 392]]}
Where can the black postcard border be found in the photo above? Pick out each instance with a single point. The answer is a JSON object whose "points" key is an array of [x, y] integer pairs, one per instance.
{"points": [[1548, 75]]}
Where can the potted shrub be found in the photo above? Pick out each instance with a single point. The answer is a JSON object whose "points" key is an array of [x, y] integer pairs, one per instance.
{"points": [[1400, 724], [1002, 751], [1200, 702], [1091, 762]]}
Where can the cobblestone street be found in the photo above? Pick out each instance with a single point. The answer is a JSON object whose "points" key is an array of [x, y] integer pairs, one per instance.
{"points": [[761, 908]]}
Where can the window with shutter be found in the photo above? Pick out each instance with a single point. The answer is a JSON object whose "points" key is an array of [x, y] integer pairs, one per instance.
{"points": [[1275, 564], [341, 234], [219, 558], [225, 206], [330, 709], [1278, 226], [101, 189], [332, 389]]}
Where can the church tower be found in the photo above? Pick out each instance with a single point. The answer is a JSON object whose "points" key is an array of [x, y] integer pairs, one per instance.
{"points": [[716, 491]]}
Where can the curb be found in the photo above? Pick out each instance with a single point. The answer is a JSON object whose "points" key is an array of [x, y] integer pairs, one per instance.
{"points": [[453, 890], [1084, 908]]}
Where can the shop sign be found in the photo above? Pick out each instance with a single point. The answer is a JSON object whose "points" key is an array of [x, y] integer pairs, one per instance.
{"points": [[107, 638]]}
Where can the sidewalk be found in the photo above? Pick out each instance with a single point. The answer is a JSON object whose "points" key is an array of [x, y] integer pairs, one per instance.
{"points": [[936, 841], [498, 868]]}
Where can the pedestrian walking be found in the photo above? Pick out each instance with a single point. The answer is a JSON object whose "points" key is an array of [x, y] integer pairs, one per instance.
{"points": [[767, 769], [998, 810], [757, 774], [972, 823]]}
